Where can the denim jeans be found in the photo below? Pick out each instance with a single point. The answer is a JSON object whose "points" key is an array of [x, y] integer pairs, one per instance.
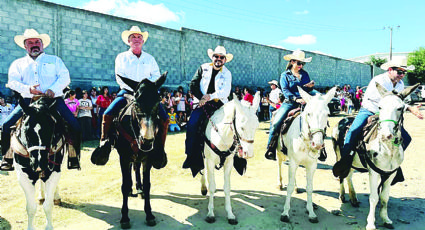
{"points": [[271, 110], [357, 128], [278, 118]]}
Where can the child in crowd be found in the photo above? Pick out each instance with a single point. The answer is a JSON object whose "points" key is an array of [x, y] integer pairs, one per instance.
{"points": [[173, 126], [72, 102], [85, 116]]}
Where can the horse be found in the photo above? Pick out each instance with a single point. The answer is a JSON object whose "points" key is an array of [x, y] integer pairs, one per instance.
{"points": [[38, 144], [137, 133], [383, 154], [304, 140], [231, 133]]}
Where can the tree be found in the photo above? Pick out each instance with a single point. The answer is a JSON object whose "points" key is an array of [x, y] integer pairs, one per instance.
{"points": [[377, 61], [417, 58]]}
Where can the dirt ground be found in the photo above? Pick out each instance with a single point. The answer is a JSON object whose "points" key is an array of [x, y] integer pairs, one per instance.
{"points": [[91, 198]]}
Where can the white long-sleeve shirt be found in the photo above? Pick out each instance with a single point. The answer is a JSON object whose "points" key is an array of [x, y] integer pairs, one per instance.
{"points": [[130, 66], [274, 95], [372, 96], [47, 70], [222, 83]]}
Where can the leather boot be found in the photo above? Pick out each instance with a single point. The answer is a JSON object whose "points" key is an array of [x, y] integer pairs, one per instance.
{"points": [[100, 155], [75, 155], [6, 164], [271, 148], [158, 157], [342, 168]]}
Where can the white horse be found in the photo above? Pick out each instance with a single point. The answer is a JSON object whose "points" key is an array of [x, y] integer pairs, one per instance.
{"points": [[233, 121], [304, 140], [385, 155]]}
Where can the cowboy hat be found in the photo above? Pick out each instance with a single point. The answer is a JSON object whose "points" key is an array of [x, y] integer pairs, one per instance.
{"points": [[297, 55], [31, 33], [133, 30], [399, 62], [273, 82], [220, 50]]}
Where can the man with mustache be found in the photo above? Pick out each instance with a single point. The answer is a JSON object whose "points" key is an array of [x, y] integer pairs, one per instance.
{"points": [[137, 65], [39, 74], [211, 84]]}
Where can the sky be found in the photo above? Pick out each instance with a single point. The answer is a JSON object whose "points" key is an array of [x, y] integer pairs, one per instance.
{"points": [[340, 28]]}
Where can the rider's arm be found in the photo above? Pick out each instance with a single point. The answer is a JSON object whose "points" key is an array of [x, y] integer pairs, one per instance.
{"points": [[195, 84], [62, 78], [285, 87], [15, 81]]}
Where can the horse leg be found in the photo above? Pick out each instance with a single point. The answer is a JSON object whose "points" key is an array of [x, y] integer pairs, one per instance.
{"points": [[211, 187], [51, 185], [204, 189], [29, 190], [341, 190], [352, 192], [279, 171], [41, 196], [291, 186], [374, 179], [384, 196], [57, 199], [228, 205], [310, 169], [125, 190], [150, 218], [139, 185]]}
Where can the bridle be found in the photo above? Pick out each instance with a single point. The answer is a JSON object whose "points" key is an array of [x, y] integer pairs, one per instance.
{"points": [[311, 131], [396, 141]]}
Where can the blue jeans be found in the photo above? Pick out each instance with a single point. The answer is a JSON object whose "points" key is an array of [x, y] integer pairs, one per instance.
{"points": [[279, 117], [174, 127], [356, 129], [271, 110]]}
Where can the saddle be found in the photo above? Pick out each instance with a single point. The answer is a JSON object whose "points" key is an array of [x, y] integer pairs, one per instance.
{"points": [[289, 119]]}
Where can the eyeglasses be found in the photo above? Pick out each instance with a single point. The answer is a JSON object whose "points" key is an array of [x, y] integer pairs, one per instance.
{"points": [[219, 57], [400, 72], [300, 63]]}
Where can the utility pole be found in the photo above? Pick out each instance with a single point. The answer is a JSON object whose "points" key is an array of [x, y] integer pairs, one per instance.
{"points": [[391, 39]]}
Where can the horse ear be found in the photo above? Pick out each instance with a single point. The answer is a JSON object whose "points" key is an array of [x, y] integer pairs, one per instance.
{"points": [[161, 79], [133, 84], [330, 94], [304, 94], [405, 92], [256, 101], [238, 104], [381, 89]]}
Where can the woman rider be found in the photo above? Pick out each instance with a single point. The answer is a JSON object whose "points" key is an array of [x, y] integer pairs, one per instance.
{"points": [[293, 76]]}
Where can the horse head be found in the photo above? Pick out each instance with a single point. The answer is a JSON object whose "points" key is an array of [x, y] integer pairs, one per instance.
{"points": [[36, 131], [146, 109], [315, 116], [391, 108], [246, 123]]}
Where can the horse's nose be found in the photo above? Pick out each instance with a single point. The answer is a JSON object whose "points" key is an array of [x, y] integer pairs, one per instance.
{"points": [[317, 146], [387, 136]]}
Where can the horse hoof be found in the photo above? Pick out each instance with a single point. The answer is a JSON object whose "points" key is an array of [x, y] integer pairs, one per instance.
{"points": [[57, 202], [315, 206], [342, 199], [125, 225], [313, 220], [151, 223], [41, 201], [355, 203], [204, 192], [389, 226], [232, 221], [210, 219], [284, 219]]}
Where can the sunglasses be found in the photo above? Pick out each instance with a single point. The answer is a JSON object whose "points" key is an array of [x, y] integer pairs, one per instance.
{"points": [[300, 63], [219, 57], [400, 72]]}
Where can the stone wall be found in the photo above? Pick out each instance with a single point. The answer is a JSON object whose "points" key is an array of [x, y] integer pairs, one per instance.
{"points": [[88, 43]]}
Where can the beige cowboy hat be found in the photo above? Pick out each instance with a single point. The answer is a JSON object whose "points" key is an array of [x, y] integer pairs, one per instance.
{"points": [[220, 50], [133, 30], [273, 82], [31, 33], [399, 62], [297, 55]]}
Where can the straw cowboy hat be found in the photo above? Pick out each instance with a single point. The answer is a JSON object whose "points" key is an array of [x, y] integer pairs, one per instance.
{"points": [[297, 55], [31, 33], [400, 63], [222, 51], [133, 30], [273, 82]]}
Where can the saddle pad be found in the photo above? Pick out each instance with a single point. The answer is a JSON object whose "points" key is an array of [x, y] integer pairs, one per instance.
{"points": [[288, 121]]}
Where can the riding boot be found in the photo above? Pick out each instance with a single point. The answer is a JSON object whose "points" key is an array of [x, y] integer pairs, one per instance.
{"points": [[75, 155], [271, 148], [6, 163], [342, 168], [158, 156], [100, 155], [323, 155]]}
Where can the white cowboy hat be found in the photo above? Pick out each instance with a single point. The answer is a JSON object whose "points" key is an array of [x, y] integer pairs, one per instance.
{"points": [[297, 55], [273, 82], [133, 30], [399, 62], [220, 50], [31, 33]]}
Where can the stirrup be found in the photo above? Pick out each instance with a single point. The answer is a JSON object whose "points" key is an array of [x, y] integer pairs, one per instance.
{"points": [[73, 163], [6, 166], [270, 154], [100, 155]]}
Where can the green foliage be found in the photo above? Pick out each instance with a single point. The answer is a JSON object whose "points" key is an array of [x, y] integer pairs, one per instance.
{"points": [[417, 58], [377, 61]]}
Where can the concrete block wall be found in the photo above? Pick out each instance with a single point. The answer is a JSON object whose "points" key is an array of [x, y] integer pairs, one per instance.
{"points": [[88, 43]]}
